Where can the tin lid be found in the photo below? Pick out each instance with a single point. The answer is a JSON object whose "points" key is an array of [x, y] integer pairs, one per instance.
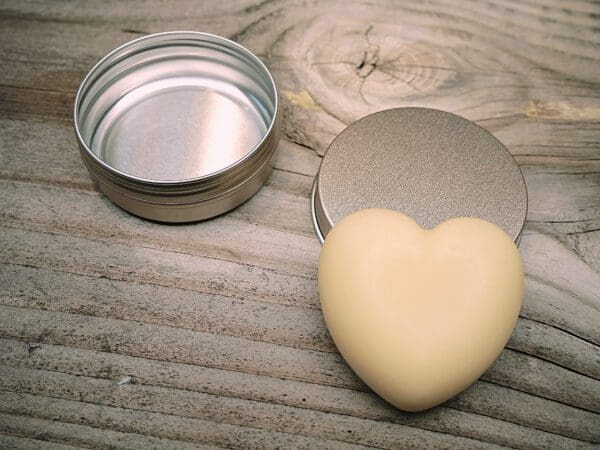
{"points": [[428, 164]]}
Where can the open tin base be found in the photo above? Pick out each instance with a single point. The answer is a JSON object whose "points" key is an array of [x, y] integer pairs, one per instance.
{"points": [[428, 164], [178, 126]]}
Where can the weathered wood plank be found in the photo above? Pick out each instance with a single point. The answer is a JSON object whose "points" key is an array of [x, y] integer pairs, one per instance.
{"points": [[223, 336], [228, 410], [158, 267], [101, 297], [179, 345], [538, 377], [24, 443], [457, 76], [267, 322], [181, 431], [54, 431], [546, 259], [535, 306], [486, 400], [512, 369], [49, 209], [553, 345], [548, 304]]}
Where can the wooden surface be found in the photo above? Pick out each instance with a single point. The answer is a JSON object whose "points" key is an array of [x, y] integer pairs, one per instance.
{"points": [[118, 332]]}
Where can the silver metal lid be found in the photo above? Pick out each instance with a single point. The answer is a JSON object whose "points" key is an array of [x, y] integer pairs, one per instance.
{"points": [[178, 126], [428, 164]]}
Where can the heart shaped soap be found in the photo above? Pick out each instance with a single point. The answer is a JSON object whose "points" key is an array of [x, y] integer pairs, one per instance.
{"points": [[419, 314]]}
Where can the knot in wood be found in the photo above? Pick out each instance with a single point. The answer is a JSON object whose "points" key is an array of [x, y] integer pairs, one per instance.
{"points": [[369, 62]]}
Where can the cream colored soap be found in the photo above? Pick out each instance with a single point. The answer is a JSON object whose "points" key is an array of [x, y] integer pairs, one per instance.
{"points": [[419, 314]]}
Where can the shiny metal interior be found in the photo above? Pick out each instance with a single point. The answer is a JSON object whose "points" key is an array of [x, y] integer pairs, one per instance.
{"points": [[177, 118], [174, 107]]}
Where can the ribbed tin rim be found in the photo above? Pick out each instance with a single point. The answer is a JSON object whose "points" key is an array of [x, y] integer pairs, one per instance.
{"points": [[139, 181], [314, 208]]}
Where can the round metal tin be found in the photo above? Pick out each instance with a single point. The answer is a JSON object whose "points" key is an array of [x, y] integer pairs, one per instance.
{"points": [[428, 164], [178, 126]]}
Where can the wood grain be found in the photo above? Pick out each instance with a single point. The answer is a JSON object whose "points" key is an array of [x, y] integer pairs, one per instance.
{"points": [[217, 324]]}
